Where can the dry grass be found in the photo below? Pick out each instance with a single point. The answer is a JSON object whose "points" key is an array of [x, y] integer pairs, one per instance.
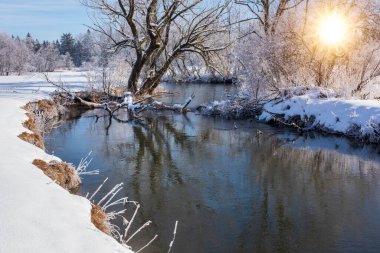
{"points": [[118, 92], [30, 123], [46, 106], [42, 115], [99, 219], [63, 173], [33, 138], [40, 120]]}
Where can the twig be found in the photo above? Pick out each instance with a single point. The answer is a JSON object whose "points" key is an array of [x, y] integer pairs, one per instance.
{"points": [[132, 219], [174, 234], [154, 238], [97, 190], [83, 165], [138, 230]]}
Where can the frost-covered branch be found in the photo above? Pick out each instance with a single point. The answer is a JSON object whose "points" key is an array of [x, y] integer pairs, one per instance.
{"points": [[83, 165], [174, 234]]}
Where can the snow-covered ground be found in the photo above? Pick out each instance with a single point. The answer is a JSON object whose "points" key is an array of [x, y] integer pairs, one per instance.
{"points": [[37, 215], [359, 118], [33, 84]]}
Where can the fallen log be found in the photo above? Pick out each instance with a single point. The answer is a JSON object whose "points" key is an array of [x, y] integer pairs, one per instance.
{"points": [[133, 107]]}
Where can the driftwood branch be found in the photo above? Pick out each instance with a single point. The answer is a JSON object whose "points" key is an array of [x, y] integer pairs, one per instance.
{"points": [[133, 108]]}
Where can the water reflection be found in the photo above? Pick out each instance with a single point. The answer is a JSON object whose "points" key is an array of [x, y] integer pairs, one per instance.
{"points": [[234, 190]]}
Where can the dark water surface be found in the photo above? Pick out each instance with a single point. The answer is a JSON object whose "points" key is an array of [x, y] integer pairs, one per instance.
{"points": [[232, 190]]}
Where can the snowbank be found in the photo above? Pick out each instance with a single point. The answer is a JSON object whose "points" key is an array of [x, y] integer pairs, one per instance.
{"points": [[37, 215], [321, 109]]}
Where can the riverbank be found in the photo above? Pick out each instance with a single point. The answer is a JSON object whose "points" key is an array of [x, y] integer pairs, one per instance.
{"points": [[36, 214], [306, 110], [317, 109]]}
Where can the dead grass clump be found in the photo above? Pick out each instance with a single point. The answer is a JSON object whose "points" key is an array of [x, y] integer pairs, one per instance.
{"points": [[33, 138], [118, 92], [99, 219], [30, 123], [63, 173], [43, 115], [46, 106]]}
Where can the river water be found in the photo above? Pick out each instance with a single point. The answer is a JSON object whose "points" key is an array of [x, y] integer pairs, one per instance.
{"points": [[234, 186]]}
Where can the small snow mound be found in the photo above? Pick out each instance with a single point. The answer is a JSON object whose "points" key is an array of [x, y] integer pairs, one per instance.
{"points": [[235, 108]]}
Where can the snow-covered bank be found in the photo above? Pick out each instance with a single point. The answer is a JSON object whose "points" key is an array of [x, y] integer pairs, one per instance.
{"points": [[320, 109], [36, 214]]}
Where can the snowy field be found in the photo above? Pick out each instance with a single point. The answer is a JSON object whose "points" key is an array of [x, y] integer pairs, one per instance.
{"points": [[37, 215], [34, 84]]}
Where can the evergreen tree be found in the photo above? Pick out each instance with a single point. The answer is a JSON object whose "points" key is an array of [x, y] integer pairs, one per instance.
{"points": [[88, 46], [29, 42], [45, 44], [67, 44], [36, 46], [78, 54]]}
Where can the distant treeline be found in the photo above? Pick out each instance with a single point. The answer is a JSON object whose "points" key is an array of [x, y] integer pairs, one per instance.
{"points": [[19, 55]]}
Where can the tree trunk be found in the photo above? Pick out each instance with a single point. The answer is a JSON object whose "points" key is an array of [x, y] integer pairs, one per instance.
{"points": [[139, 65], [151, 83], [134, 77]]}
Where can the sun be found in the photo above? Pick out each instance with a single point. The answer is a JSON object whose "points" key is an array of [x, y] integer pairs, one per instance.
{"points": [[333, 29]]}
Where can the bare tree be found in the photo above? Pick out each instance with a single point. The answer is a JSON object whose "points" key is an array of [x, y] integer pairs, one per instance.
{"points": [[21, 57], [268, 12], [45, 60], [6, 49], [160, 31]]}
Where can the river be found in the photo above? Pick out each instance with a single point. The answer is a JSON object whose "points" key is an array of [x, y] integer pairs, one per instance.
{"points": [[234, 186]]}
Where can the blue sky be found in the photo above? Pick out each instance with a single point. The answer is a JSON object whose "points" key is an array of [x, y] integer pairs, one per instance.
{"points": [[44, 19]]}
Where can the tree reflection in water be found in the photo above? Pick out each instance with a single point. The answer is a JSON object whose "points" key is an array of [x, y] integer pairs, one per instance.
{"points": [[234, 190]]}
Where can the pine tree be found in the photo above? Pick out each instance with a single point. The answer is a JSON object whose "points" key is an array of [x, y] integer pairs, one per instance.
{"points": [[78, 54], [67, 44], [45, 44], [88, 46], [29, 42], [57, 44], [36, 46]]}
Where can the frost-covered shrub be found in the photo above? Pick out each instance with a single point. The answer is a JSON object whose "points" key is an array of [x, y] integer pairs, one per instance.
{"points": [[111, 78], [293, 55]]}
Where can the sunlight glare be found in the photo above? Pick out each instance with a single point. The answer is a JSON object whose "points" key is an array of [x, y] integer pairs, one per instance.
{"points": [[333, 29]]}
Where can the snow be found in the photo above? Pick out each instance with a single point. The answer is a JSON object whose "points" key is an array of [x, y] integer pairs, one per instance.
{"points": [[37, 215], [34, 85], [177, 106], [331, 113]]}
